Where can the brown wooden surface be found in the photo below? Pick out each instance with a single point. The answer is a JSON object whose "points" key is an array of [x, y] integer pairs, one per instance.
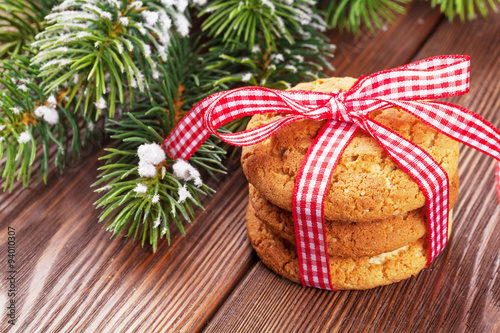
{"points": [[73, 278]]}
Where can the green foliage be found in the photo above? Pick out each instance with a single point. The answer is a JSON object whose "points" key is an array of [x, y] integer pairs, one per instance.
{"points": [[460, 8], [26, 129], [20, 21], [187, 78], [274, 44], [105, 47], [305, 60], [128, 213], [249, 21], [255, 54], [352, 14]]}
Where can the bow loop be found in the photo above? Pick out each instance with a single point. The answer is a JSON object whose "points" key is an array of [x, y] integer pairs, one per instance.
{"points": [[431, 78]]}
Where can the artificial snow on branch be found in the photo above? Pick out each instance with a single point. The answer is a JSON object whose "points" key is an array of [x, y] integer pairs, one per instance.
{"points": [[145, 191]]}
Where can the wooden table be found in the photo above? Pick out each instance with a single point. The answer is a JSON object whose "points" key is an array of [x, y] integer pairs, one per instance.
{"points": [[73, 278]]}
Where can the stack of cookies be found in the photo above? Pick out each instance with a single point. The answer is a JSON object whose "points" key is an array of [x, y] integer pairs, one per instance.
{"points": [[375, 216]]}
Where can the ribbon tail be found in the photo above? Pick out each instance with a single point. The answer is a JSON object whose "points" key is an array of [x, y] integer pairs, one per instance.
{"points": [[497, 178], [427, 173], [308, 201], [457, 122]]}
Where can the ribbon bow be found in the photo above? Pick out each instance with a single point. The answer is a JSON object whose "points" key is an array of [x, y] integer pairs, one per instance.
{"points": [[345, 112]]}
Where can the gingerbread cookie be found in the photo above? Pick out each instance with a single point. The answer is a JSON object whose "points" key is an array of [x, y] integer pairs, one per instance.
{"points": [[346, 273], [367, 185]]}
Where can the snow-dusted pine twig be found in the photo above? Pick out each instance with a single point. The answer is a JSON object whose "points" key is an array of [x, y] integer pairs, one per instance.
{"points": [[249, 21], [32, 121], [144, 190], [100, 48]]}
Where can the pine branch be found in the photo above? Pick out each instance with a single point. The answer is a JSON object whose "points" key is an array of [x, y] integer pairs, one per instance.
{"points": [[461, 8], [105, 47], [20, 21], [255, 54], [141, 199], [296, 52], [352, 14], [247, 21], [31, 122], [305, 60], [145, 193]]}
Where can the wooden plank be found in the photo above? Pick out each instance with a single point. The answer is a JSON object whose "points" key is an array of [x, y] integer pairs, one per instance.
{"points": [[17, 196], [459, 292], [471, 300], [73, 278]]}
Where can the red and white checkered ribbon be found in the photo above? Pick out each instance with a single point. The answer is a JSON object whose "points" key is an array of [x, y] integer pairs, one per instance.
{"points": [[497, 178], [404, 87]]}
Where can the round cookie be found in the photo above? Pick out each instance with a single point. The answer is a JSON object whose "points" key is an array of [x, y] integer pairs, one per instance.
{"points": [[346, 239], [346, 273], [366, 185]]}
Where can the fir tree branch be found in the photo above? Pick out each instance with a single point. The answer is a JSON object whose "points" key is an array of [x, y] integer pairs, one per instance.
{"points": [[105, 48], [142, 198], [20, 21], [32, 122], [352, 14], [247, 21], [305, 60]]}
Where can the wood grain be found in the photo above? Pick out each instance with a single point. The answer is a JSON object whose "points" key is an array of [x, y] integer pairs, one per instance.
{"points": [[459, 292], [73, 278]]}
